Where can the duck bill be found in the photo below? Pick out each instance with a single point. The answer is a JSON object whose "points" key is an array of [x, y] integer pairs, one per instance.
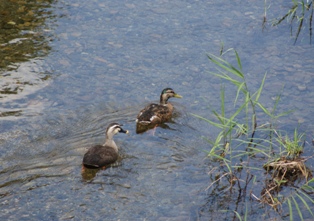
{"points": [[124, 131], [177, 96]]}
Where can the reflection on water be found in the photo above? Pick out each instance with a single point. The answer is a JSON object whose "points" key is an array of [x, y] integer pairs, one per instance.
{"points": [[25, 33], [143, 128], [89, 174]]}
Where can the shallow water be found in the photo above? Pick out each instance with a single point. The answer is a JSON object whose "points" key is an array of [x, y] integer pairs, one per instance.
{"points": [[106, 61]]}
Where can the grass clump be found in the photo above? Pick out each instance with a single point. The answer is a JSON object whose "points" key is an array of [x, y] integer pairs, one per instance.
{"points": [[250, 148]]}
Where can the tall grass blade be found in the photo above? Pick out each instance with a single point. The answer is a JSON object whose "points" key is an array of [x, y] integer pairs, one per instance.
{"points": [[290, 209], [307, 196], [297, 207], [220, 118], [238, 215], [277, 100], [259, 91], [222, 103], [264, 109], [228, 78], [238, 111], [240, 88], [305, 204], [238, 60], [209, 121], [225, 65]]}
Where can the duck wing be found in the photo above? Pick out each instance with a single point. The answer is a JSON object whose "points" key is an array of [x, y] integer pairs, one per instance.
{"points": [[153, 113], [99, 156]]}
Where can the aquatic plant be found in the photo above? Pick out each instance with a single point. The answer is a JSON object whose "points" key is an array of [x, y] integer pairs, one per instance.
{"points": [[245, 146], [296, 14]]}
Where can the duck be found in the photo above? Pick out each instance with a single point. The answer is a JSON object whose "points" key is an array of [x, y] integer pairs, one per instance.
{"points": [[154, 114], [101, 156]]}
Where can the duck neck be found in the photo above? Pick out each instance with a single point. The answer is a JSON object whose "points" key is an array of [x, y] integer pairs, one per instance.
{"points": [[110, 142], [163, 100]]}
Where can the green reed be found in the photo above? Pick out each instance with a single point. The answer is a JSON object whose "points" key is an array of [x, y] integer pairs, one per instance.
{"points": [[244, 143]]}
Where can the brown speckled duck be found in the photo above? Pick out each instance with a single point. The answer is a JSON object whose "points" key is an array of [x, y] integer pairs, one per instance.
{"points": [[155, 114], [101, 156]]}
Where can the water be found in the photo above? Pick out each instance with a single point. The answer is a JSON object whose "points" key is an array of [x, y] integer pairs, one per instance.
{"points": [[98, 62]]}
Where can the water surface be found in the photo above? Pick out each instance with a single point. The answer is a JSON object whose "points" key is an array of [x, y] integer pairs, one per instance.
{"points": [[99, 62]]}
